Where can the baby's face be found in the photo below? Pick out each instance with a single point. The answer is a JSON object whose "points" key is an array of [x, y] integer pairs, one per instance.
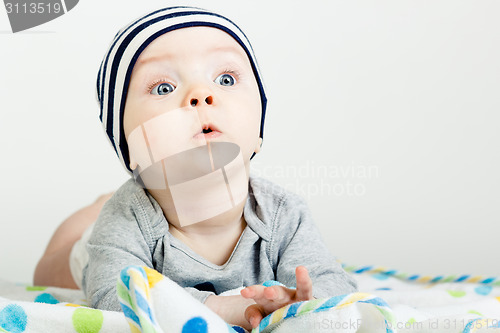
{"points": [[189, 79]]}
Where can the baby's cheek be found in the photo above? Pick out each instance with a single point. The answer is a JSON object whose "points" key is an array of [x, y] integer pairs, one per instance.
{"points": [[248, 136], [138, 149]]}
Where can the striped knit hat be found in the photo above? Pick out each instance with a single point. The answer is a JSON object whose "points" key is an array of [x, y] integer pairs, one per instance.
{"points": [[116, 67]]}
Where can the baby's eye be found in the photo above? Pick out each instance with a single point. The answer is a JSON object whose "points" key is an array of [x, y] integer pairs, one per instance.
{"points": [[225, 80], [162, 89]]}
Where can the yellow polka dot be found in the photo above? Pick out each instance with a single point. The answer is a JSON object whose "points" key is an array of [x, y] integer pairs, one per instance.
{"points": [[153, 276], [498, 298], [73, 305]]}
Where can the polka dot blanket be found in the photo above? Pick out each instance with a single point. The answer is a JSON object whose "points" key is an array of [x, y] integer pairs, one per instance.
{"points": [[387, 301]]}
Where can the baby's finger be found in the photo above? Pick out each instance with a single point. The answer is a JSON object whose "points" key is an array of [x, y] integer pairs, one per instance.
{"points": [[254, 314], [278, 294], [304, 284], [255, 292]]}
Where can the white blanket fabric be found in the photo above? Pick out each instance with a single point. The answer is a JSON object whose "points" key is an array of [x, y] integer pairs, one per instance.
{"points": [[386, 302]]}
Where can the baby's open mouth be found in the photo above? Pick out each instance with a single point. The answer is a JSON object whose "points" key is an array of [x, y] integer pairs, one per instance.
{"points": [[208, 131]]}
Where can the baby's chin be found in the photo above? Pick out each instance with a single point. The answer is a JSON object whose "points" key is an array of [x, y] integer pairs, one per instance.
{"points": [[193, 163], [203, 181]]}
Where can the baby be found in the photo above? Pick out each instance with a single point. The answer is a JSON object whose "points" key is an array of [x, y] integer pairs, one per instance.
{"points": [[183, 105]]}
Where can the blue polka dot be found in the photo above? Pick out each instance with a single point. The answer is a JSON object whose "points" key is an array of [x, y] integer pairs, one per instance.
{"points": [[46, 298], [13, 319], [195, 325], [237, 329], [483, 290], [385, 288], [380, 276]]}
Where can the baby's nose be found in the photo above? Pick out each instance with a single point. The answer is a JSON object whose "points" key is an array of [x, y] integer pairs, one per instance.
{"points": [[208, 100], [199, 95]]}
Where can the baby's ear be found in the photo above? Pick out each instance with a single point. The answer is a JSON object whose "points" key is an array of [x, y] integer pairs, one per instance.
{"points": [[259, 146]]}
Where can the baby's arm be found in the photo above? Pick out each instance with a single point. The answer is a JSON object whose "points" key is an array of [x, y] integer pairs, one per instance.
{"points": [[231, 308], [116, 242], [110, 252], [297, 242], [119, 240]]}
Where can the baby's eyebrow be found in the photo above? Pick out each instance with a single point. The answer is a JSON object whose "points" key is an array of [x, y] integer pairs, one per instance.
{"points": [[153, 59], [164, 56]]}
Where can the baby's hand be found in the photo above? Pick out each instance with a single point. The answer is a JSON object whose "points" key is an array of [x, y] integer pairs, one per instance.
{"points": [[269, 299]]}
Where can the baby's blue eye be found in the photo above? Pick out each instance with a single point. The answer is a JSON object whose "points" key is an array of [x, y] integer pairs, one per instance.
{"points": [[225, 80], [162, 89]]}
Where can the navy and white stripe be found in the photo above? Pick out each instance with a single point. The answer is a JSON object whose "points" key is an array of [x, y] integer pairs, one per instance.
{"points": [[116, 67]]}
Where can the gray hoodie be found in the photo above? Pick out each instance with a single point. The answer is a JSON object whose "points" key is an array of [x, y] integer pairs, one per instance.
{"points": [[280, 235]]}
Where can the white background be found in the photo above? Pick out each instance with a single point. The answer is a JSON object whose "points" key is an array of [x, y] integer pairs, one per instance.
{"points": [[399, 98]]}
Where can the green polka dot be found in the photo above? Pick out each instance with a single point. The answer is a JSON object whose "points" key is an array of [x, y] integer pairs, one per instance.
{"points": [[475, 312], [35, 288], [411, 320], [87, 320], [456, 293]]}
